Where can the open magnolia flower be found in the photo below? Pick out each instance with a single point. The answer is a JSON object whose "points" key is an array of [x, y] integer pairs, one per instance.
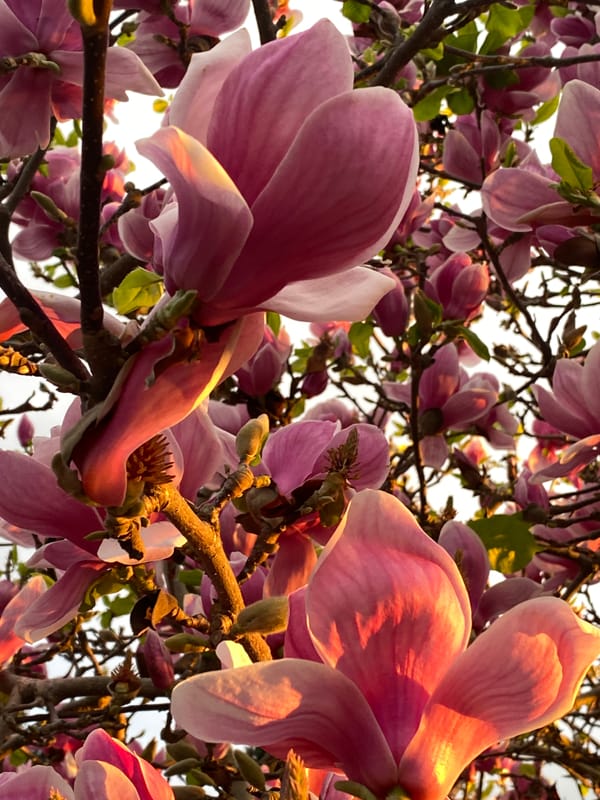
{"points": [[382, 686]]}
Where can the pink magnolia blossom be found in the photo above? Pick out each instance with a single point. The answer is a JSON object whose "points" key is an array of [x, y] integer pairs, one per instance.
{"points": [[459, 286], [46, 27], [10, 641], [299, 162], [158, 37], [382, 685], [106, 770], [264, 370]]}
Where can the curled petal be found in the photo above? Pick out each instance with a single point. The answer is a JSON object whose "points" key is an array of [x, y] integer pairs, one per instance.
{"points": [[37, 783], [289, 703], [522, 673], [10, 641], [406, 636]]}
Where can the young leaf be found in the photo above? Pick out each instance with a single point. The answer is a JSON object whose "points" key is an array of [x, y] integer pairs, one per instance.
{"points": [[356, 12], [570, 168], [140, 289], [508, 540]]}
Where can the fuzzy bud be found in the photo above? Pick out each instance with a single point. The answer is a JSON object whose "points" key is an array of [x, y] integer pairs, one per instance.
{"points": [[269, 615], [157, 662], [251, 438]]}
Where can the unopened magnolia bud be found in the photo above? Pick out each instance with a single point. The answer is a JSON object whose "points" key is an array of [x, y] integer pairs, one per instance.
{"points": [[250, 770], [180, 750], [49, 207], [25, 431], [185, 643], [269, 615], [251, 438], [188, 792], [157, 661], [183, 767], [427, 313]]}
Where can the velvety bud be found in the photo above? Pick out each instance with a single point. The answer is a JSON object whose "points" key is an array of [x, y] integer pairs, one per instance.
{"points": [[250, 770], [391, 312], [251, 438], [157, 660], [269, 615], [25, 431], [314, 383]]}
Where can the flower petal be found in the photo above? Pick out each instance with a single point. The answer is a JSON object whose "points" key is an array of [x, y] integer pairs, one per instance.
{"points": [[289, 703], [354, 158], [269, 95], [103, 782], [388, 608], [522, 673]]}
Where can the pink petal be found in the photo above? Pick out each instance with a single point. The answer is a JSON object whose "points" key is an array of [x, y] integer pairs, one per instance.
{"points": [[371, 466], [306, 216], [60, 603], [298, 642], [467, 405], [213, 220], [148, 781], [289, 703], [142, 411], [10, 641], [37, 783], [306, 440], [267, 98], [60, 515], [160, 539], [124, 72], [580, 98], [522, 673], [32, 87], [194, 100], [387, 601], [216, 17], [351, 298], [103, 782], [508, 194], [294, 561]]}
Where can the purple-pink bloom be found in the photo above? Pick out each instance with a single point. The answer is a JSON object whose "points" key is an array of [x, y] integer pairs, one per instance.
{"points": [[386, 689], [46, 27]]}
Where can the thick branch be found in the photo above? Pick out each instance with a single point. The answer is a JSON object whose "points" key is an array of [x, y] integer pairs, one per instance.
{"points": [[264, 21], [208, 550]]}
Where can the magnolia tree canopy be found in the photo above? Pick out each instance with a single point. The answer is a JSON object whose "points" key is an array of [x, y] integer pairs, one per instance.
{"points": [[352, 561]]}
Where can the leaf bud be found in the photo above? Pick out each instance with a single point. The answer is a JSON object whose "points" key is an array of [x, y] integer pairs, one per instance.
{"points": [[269, 615], [251, 438], [249, 769]]}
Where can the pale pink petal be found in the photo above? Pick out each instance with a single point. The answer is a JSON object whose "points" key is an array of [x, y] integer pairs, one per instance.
{"points": [[36, 783], [194, 100], [351, 298], [298, 642], [522, 673], [371, 465], [305, 217], [577, 99], [467, 405], [102, 781], [433, 450], [216, 17], [148, 781], [306, 440], [213, 220], [16, 37], [289, 703], [508, 194], [33, 87], [160, 539], [368, 613], [124, 72], [202, 450], [590, 382], [269, 96]]}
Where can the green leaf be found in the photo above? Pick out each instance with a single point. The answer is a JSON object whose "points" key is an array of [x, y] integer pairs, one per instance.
{"points": [[274, 321], [434, 53], [356, 11], [570, 168], [63, 281], [505, 23], [466, 37], [545, 111], [140, 289], [429, 106], [475, 343], [360, 337], [508, 540], [461, 102]]}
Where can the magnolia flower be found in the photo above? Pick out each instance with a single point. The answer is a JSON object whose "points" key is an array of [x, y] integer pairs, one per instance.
{"points": [[270, 225], [106, 770], [382, 685], [51, 85]]}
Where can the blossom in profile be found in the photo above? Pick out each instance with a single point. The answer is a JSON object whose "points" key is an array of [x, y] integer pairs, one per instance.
{"points": [[380, 683]]}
